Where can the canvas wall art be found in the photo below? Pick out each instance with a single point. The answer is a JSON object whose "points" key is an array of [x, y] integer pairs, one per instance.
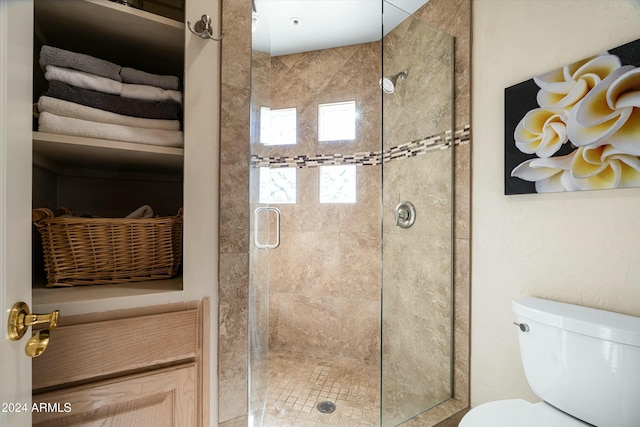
{"points": [[577, 127]]}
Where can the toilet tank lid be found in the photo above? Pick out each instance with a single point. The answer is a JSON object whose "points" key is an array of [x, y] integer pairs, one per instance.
{"points": [[602, 324]]}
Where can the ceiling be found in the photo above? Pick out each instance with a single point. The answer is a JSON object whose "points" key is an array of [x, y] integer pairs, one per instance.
{"points": [[323, 24]]}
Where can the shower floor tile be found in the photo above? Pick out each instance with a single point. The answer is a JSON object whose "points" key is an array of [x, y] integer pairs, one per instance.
{"points": [[298, 382]]}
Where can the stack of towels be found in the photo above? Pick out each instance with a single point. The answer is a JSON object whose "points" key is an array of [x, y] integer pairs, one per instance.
{"points": [[94, 98]]}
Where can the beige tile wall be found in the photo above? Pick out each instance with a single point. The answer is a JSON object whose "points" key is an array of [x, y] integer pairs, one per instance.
{"points": [[325, 277], [452, 16], [307, 79], [420, 107], [417, 267], [234, 210]]}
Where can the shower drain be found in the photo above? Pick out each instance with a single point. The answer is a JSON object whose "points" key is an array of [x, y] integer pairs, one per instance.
{"points": [[326, 407]]}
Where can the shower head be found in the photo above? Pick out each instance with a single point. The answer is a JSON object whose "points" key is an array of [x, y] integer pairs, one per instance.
{"points": [[388, 83]]}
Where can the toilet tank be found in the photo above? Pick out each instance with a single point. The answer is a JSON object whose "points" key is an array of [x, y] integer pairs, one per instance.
{"points": [[583, 361]]}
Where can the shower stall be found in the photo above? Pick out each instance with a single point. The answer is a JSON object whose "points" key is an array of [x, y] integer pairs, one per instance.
{"points": [[351, 189]]}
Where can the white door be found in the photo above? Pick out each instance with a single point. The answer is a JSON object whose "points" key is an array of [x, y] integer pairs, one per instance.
{"points": [[16, 52]]}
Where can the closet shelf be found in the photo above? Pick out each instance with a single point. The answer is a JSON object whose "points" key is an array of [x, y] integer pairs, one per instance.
{"points": [[55, 151], [45, 298], [121, 34]]}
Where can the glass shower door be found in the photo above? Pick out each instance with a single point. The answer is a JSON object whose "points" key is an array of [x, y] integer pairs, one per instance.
{"points": [[262, 239], [416, 354]]}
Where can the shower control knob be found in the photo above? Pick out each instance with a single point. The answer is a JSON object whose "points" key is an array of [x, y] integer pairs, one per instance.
{"points": [[405, 214]]}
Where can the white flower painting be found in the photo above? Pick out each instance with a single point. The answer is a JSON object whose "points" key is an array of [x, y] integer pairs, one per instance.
{"points": [[577, 127]]}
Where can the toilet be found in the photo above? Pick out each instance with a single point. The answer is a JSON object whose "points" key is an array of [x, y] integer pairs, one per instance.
{"points": [[583, 363]]}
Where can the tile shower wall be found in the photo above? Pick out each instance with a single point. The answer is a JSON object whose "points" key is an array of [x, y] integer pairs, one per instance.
{"points": [[417, 267], [234, 212], [454, 18], [307, 79], [324, 279], [451, 16]]}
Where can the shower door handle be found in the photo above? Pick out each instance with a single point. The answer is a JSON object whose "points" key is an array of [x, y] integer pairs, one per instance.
{"points": [[256, 228]]}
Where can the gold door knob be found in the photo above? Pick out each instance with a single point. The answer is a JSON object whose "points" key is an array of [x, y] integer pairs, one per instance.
{"points": [[20, 318]]}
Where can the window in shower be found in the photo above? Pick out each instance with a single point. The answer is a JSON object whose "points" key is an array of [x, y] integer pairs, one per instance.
{"points": [[277, 185], [338, 184], [278, 127], [337, 121]]}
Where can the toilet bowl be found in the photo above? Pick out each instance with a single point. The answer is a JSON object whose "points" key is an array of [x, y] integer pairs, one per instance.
{"points": [[583, 363], [518, 413]]}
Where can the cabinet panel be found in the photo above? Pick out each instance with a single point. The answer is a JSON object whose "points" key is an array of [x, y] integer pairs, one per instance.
{"points": [[163, 398], [97, 349]]}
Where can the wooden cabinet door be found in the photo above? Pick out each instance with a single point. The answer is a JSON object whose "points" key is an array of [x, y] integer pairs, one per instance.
{"points": [[161, 398], [132, 368]]}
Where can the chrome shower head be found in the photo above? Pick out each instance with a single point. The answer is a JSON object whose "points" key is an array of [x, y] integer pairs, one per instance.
{"points": [[388, 83]]}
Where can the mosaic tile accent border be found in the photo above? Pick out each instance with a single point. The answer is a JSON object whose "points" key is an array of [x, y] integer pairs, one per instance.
{"points": [[373, 158], [370, 159]]}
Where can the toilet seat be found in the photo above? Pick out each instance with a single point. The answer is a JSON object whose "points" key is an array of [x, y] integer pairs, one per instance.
{"points": [[518, 413]]}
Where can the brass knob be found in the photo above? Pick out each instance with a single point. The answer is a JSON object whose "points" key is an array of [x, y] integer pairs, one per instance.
{"points": [[20, 318]]}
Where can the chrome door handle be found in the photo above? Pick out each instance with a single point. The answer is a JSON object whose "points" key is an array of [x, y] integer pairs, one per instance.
{"points": [[256, 228]]}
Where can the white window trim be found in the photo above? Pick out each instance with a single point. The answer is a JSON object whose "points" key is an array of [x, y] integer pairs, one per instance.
{"points": [[270, 135], [326, 128]]}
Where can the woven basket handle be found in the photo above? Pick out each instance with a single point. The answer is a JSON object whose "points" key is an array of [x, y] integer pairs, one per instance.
{"points": [[180, 213], [40, 214]]}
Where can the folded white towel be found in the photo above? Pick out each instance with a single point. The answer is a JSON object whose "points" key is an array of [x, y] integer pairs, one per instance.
{"points": [[150, 93], [60, 107], [51, 123], [83, 80], [142, 212]]}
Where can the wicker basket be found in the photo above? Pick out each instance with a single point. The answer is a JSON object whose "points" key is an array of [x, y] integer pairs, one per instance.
{"points": [[98, 251]]}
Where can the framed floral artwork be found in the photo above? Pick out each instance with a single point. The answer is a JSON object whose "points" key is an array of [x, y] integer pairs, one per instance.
{"points": [[576, 127]]}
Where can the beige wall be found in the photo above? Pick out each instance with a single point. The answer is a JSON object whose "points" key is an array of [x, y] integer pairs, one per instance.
{"points": [[324, 279], [574, 247]]}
